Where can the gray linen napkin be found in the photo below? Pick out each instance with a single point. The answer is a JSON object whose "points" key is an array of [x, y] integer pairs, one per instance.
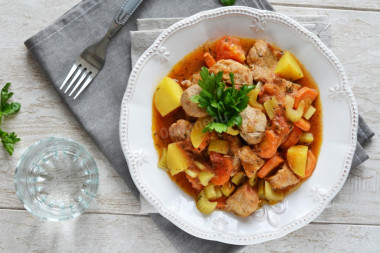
{"points": [[56, 48]]}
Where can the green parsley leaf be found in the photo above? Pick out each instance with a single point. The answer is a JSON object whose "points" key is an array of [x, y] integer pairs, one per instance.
{"points": [[195, 98], [228, 2], [218, 127], [222, 103], [8, 139], [235, 120], [5, 95], [11, 108], [7, 108]]}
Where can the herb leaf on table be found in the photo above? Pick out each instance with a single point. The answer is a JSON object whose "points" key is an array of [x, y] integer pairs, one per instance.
{"points": [[228, 2], [8, 139], [222, 103]]}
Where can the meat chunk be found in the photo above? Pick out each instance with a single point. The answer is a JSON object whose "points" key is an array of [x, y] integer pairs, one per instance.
{"points": [[252, 138], [253, 125], [193, 80], [242, 74], [235, 144], [262, 74], [244, 201], [262, 61], [283, 179], [180, 131], [251, 162], [253, 120], [278, 87], [189, 106], [261, 55], [287, 87], [185, 84], [281, 127]]}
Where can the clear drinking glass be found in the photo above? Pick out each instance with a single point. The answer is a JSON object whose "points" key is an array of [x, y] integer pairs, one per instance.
{"points": [[56, 179]]}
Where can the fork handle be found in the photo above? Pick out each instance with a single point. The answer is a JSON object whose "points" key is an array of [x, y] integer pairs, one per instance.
{"points": [[122, 16], [126, 11]]}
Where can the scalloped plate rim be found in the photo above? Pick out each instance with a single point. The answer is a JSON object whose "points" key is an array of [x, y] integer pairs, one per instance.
{"points": [[303, 32]]}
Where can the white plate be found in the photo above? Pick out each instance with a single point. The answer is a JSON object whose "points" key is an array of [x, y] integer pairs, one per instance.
{"points": [[340, 121]]}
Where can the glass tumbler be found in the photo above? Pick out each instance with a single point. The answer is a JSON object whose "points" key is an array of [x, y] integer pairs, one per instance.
{"points": [[56, 179]]}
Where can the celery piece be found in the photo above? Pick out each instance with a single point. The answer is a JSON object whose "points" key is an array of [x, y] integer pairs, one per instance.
{"points": [[310, 112]]}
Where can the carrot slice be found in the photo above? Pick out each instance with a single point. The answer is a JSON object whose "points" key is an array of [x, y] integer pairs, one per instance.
{"points": [[303, 124], [221, 203], [268, 147], [209, 60], [229, 48], [222, 168], [306, 94], [293, 138], [270, 165], [310, 164]]}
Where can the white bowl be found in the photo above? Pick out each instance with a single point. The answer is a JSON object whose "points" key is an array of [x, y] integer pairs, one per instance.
{"points": [[340, 121]]}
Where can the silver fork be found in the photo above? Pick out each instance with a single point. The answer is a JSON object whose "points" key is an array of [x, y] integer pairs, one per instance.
{"points": [[92, 59]]}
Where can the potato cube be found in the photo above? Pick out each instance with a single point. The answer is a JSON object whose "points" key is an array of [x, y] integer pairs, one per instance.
{"points": [[260, 189], [167, 96], [199, 139], [297, 157], [177, 159], [271, 195], [219, 146], [288, 67]]}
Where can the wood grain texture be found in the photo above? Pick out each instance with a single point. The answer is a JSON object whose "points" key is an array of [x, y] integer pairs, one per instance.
{"points": [[87, 233], [324, 238], [107, 226], [125, 233]]}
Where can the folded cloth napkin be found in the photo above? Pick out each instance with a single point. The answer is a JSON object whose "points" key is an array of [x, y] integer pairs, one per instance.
{"points": [[56, 48]]}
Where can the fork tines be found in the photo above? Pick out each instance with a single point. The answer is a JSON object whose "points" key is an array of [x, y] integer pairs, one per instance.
{"points": [[80, 75]]}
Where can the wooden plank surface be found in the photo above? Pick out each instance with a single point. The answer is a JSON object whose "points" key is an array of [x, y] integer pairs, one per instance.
{"points": [[89, 233], [107, 225], [125, 233]]}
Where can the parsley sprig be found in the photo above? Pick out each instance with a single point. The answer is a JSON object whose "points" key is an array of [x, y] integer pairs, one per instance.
{"points": [[8, 139], [222, 103], [228, 2]]}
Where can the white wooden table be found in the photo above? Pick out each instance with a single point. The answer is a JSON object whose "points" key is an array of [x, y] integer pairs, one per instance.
{"points": [[351, 223]]}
